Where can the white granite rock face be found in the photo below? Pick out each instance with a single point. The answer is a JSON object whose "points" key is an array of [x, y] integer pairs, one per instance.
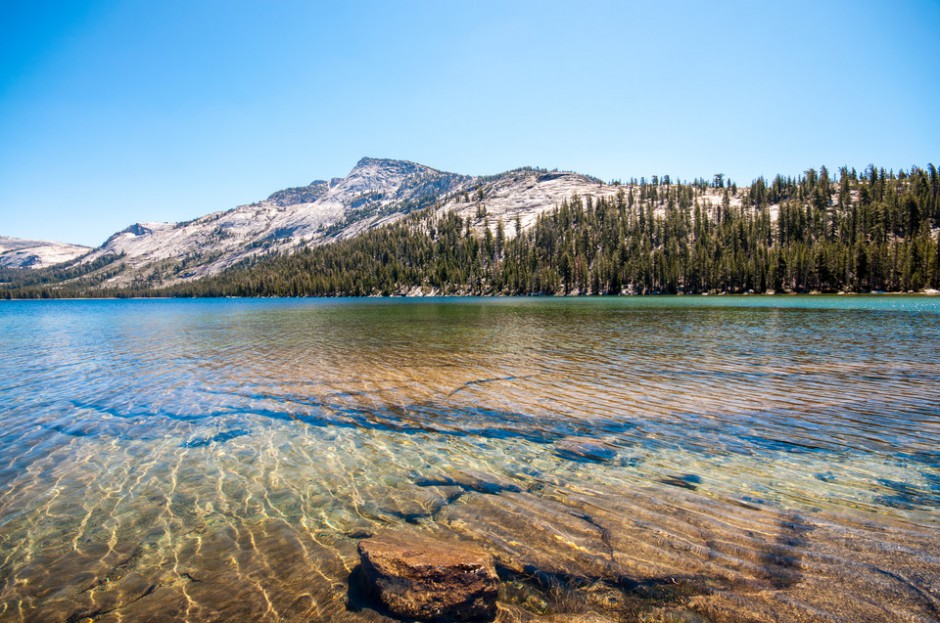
{"points": [[17, 253]]}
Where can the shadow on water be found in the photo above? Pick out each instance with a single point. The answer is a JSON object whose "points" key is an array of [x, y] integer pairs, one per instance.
{"points": [[781, 562], [412, 419], [906, 496], [693, 433], [468, 484], [358, 596], [222, 437], [685, 481], [545, 594]]}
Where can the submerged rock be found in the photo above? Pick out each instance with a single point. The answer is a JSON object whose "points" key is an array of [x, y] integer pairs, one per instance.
{"points": [[471, 480], [514, 614], [418, 577], [686, 481], [531, 534], [585, 449]]}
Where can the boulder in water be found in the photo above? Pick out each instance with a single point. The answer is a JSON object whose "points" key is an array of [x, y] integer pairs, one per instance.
{"points": [[418, 577]]}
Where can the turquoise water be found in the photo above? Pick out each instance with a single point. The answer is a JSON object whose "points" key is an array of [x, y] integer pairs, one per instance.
{"points": [[764, 455]]}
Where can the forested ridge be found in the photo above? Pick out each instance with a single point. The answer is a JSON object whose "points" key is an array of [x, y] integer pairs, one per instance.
{"points": [[849, 232]]}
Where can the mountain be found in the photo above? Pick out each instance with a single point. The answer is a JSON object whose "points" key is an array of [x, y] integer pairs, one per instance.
{"points": [[877, 231], [376, 192], [397, 227], [18, 253]]}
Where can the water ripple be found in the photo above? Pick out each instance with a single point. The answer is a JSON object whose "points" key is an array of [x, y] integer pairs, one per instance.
{"points": [[731, 460]]}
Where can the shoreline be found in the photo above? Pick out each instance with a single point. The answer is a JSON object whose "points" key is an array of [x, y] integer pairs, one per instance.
{"points": [[929, 292]]}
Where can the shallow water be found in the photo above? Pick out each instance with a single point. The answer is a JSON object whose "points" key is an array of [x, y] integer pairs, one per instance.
{"points": [[726, 458]]}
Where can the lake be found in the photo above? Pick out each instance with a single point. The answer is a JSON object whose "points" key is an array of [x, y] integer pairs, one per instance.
{"points": [[643, 459]]}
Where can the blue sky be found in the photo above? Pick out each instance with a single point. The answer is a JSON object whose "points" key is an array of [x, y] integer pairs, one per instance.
{"points": [[125, 111]]}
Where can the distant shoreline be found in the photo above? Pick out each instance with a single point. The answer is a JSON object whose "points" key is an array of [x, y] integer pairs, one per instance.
{"points": [[782, 295]]}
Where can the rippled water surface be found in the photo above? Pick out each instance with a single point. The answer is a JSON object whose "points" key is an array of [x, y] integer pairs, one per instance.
{"points": [[643, 459]]}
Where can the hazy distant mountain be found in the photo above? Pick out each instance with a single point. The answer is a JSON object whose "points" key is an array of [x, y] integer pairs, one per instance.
{"points": [[18, 253]]}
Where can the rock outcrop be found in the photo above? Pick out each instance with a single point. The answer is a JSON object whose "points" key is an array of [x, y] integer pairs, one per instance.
{"points": [[17, 253], [418, 577]]}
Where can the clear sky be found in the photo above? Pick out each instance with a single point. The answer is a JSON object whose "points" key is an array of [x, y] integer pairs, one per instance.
{"points": [[125, 111]]}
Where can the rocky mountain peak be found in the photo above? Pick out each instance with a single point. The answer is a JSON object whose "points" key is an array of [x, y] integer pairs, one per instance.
{"points": [[134, 231], [300, 194], [384, 178], [368, 162], [137, 229], [378, 170]]}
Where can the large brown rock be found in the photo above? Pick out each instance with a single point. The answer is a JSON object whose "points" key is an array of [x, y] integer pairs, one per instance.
{"points": [[418, 577]]}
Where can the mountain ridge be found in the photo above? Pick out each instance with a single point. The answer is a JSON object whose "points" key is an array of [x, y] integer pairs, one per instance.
{"points": [[375, 192], [875, 230]]}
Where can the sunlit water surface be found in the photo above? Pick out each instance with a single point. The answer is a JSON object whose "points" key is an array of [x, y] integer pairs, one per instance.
{"points": [[652, 459]]}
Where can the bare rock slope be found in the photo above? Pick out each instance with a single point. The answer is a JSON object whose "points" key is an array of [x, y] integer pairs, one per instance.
{"points": [[375, 192], [18, 253]]}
